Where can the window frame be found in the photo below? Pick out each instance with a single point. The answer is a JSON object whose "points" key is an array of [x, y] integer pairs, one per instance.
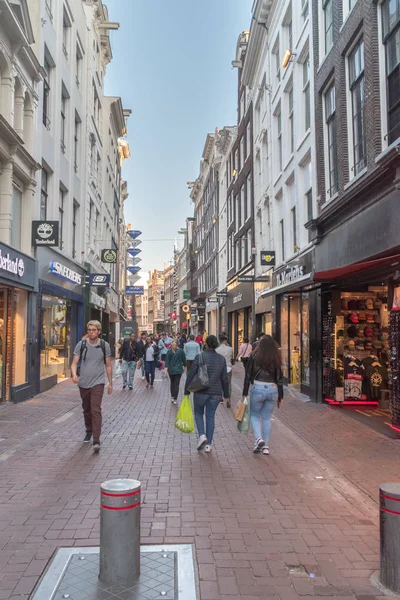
{"points": [[356, 83], [331, 141], [61, 215], [327, 30]]}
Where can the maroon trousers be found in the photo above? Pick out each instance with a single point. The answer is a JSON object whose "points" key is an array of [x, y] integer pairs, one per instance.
{"points": [[91, 404]]}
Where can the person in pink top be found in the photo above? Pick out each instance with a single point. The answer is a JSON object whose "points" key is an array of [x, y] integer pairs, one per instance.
{"points": [[245, 351]]}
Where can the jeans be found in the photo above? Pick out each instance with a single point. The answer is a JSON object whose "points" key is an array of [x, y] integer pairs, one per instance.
{"points": [[128, 367], [91, 404], [175, 381], [142, 366], [229, 384], [210, 403], [263, 398], [150, 369]]}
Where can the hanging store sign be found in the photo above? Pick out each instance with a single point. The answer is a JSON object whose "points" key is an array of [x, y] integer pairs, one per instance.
{"points": [[134, 290], [97, 300], [268, 258], [45, 233], [99, 279], [185, 308], [186, 294], [246, 279], [109, 256], [64, 272]]}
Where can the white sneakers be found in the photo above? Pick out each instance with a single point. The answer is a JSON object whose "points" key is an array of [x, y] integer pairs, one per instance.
{"points": [[202, 442], [258, 445], [208, 448]]}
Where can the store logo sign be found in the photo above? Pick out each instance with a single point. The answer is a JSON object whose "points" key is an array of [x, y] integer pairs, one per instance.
{"points": [[109, 256], [237, 298], [290, 275], [64, 272], [45, 233], [15, 266]]}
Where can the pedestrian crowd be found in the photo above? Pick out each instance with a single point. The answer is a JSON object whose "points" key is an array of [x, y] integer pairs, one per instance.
{"points": [[208, 364]]}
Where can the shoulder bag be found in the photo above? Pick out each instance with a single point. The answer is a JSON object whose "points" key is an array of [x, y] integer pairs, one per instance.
{"points": [[201, 379]]}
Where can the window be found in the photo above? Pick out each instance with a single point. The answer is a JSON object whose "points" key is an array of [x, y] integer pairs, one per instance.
{"points": [[291, 121], [236, 161], [304, 9], [238, 213], [241, 106], [309, 203], [282, 232], [76, 141], [391, 40], [61, 218], [328, 24], [242, 156], [248, 198], [43, 194], [307, 187], [356, 84], [289, 28], [47, 66], [248, 140], [277, 60], [48, 4], [278, 118], [78, 65], [64, 98], [74, 224], [306, 93], [294, 228], [330, 120], [66, 31]]}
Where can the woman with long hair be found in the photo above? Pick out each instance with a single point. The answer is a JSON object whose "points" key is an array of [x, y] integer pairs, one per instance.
{"points": [[175, 363], [245, 350], [151, 354], [265, 374]]}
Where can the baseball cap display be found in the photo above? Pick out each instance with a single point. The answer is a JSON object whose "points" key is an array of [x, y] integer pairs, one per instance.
{"points": [[369, 304], [368, 332], [362, 304], [352, 305], [353, 318], [370, 317]]}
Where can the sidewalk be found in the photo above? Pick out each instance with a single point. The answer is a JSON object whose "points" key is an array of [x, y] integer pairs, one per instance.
{"points": [[260, 525]]}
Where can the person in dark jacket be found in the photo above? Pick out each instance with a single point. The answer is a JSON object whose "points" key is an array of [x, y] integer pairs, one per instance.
{"points": [[264, 372], [175, 363], [182, 341], [129, 354], [142, 346], [210, 396]]}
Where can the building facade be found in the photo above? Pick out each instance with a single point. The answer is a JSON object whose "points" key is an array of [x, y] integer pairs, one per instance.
{"points": [[169, 298]]}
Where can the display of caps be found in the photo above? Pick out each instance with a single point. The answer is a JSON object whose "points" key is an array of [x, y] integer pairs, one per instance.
{"points": [[360, 331], [377, 318], [352, 331], [353, 318], [351, 344], [369, 303], [368, 332], [362, 316], [368, 345], [370, 317], [340, 333], [345, 304], [361, 304], [377, 304], [360, 345], [352, 305]]}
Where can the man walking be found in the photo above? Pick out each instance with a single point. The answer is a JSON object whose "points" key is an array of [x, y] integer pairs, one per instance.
{"points": [[164, 345], [129, 355], [93, 357], [227, 353], [142, 346], [191, 349]]}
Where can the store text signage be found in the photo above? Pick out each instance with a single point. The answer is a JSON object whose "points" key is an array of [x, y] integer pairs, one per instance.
{"points": [[212, 300], [134, 290], [109, 256], [16, 266], [237, 298], [267, 258], [64, 272], [45, 233], [290, 275], [99, 279], [97, 300]]}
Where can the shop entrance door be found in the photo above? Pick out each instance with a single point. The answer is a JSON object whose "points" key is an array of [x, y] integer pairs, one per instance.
{"points": [[3, 343], [294, 339]]}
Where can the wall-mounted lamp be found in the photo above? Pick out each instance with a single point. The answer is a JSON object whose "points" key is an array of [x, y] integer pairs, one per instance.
{"points": [[214, 221], [288, 57], [234, 173], [196, 251]]}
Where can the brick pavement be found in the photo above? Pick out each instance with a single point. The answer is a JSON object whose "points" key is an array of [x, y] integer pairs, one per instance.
{"points": [[260, 525]]}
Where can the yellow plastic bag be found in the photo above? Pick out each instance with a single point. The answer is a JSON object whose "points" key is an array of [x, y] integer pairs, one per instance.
{"points": [[184, 419]]}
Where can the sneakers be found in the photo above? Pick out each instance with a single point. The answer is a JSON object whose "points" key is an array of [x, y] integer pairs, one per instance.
{"points": [[124, 387], [96, 447], [152, 387], [208, 449], [131, 387], [202, 442], [175, 401], [143, 377], [228, 404], [87, 439], [258, 445], [265, 450]]}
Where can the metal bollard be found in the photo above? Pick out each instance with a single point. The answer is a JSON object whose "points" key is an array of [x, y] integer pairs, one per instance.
{"points": [[389, 500], [120, 532]]}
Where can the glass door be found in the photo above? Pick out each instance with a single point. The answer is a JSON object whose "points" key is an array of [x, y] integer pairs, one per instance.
{"points": [[3, 341]]}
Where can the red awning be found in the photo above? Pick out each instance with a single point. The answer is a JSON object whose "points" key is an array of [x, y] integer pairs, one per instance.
{"points": [[356, 268]]}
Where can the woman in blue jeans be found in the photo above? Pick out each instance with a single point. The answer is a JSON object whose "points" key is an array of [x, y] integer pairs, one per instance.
{"points": [[209, 398], [265, 373]]}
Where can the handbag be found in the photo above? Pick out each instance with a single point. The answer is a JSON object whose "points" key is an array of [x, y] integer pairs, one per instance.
{"points": [[201, 379], [239, 409], [244, 425]]}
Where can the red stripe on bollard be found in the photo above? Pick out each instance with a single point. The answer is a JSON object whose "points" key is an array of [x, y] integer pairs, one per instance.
{"points": [[390, 498], [120, 495], [121, 507]]}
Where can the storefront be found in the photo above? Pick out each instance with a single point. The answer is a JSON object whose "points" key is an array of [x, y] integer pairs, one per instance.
{"points": [[60, 316], [263, 309], [239, 303], [293, 298], [212, 315], [18, 277]]}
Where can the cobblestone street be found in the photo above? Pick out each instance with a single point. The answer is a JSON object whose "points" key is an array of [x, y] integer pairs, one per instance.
{"points": [[300, 523]]}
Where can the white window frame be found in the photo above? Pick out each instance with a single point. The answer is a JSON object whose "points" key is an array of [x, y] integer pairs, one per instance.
{"points": [[328, 195], [350, 125]]}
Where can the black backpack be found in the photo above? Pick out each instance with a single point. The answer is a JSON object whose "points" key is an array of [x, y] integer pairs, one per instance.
{"points": [[82, 357]]}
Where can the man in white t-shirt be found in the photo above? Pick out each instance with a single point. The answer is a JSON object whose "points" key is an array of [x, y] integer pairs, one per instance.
{"points": [[227, 353]]}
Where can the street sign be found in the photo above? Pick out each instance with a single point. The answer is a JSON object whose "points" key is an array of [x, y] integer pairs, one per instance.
{"points": [[246, 279], [222, 294], [45, 233], [109, 256], [99, 279], [267, 258], [186, 294], [263, 278], [136, 290]]}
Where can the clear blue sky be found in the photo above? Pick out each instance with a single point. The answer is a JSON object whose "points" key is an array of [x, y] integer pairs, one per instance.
{"points": [[172, 66]]}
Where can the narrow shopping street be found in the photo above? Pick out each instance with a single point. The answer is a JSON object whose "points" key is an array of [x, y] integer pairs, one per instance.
{"points": [[299, 523]]}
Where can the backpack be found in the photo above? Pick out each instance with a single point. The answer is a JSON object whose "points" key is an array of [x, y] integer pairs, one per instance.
{"points": [[84, 349]]}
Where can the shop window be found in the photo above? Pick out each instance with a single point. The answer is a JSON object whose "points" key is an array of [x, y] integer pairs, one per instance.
{"points": [[55, 337], [305, 339], [391, 40], [356, 85], [20, 348], [284, 324], [3, 342]]}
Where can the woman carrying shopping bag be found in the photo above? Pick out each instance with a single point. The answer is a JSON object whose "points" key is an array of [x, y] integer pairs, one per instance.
{"points": [[245, 350], [175, 363], [207, 397], [264, 372]]}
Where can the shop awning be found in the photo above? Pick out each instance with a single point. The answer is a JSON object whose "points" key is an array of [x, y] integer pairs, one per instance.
{"points": [[381, 266]]}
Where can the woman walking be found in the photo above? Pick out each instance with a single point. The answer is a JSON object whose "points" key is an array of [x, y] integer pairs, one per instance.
{"points": [[175, 364], [209, 397], [245, 350], [151, 354], [264, 372]]}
